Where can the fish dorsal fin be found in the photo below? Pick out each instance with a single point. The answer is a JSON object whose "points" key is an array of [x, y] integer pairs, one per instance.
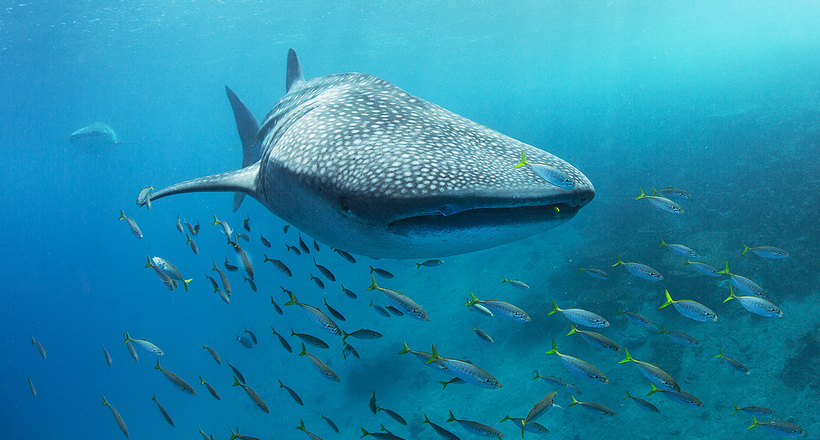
{"points": [[247, 127], [294, 75]]}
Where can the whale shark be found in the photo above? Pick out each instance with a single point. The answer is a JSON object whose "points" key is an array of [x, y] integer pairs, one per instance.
{"points": [[363, 166], [98, 138]]}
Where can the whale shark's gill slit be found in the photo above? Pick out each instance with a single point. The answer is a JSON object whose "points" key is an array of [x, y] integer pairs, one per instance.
{"points": [[243, 181], [483, 217]]}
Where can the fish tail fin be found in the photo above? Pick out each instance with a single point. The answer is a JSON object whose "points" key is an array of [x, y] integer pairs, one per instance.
{"points": [[720, 354], [745, 249], [643, 195], [504, 279], [122, 215], [572, 329], [653, 390], [266, 258], [507, 417], [304, 350], [662, 330], [574, 401], [435, 356], [127, 338], [581, 268], [281, 385], [731, 294], [452, 417], [754, 423], [201, 380], [345, 336], [554, 350], [406, 349], [150, 263], [426, 420], [105, 402], [292, 300], [619, 262], [472, 301], [365, 433], [443, 384], [236, 382], [654, 191], [301, 426], [418, 265], [188, 237], [554, 308], [373, 284], [186, 282], [669, 299], [537, 375], [628, 396], [154, 397], [725, 271], [158, 367], [688, 261], [523, 161], [663, 243], [216, 220], [619, 311], [627, 358], [736, 409]]}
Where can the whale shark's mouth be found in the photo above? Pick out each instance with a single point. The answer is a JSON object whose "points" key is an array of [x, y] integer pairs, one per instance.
{"points": [[485, 218]]}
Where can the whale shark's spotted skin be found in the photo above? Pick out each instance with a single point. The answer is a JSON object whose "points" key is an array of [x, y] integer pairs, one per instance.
{"points": [[364, 166]]}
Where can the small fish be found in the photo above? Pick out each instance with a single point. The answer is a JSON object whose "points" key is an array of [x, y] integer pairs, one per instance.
{"points": [[394, 311], [466, 371], [39, 347], [380, 272], [653, 373], [190, 227], [476, 428], [285, 229], [176, 380], [483, 335], [247, 224], [251, 282], [529, 427], [246, 342], [349, 350], [400, 301], [253, 336], [429, 263], [293, 249], [539, 409], [292, 393], [374, 407], [230, 266], [753, 410], [225, 297], [379, 309], [756, 305], [279, 265], [282, 341], [578, 367], [316, 315], [312, 340], [349, 293], [549, 173], [131, 225], [595, 339], [237, 436], [635, 317], [581, 317], [169, 283], [680, 338], [331, 424], [226, 229], [681, 397], [393, 415], [745, 285], [594, 408], [327, 273], [317, 281], [301, 426], [225, 283], [145, 345], [455, 380], [144, 196], [162, 410], [323, 369], [170, 270], [246, 262], [423, 356], [108, 359], [315, 245], [501, 307], [252, 394], [265, 243], [192, 243], [732, 363], [481, 309], [661, 203], [691, 309], [213, 353], [518, 284], [236, 372], [771, 252], [640, 270], [213, 282], [205, 436], [642, 403], [303, 246], [594, 273], [443, 433], [362, 334], [196, 228], [132, 351], [680, 250], [31, 387], [779, 427], [333, 311], [210, 388], [557, 381], [117, 417], [276, 306], [671, 193], [381, 435], [179, 225], [703, 268], [349, 258]]}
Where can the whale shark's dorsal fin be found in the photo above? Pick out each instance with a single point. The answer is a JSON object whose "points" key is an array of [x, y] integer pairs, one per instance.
{"points": [[294, 76], [243, 181], [247, 127]]}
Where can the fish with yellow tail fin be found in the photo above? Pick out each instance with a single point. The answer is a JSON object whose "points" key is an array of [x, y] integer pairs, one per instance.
{"points": [[170, 270], [770, 252], [745, 285], [690, 309], [317, 316], [252, 394], [779, 427], [476, 428], [548, 172], [578, 367], [640, 270], [176, 380], [653, 373], [756, 305], [661, 203], [732, 363], [400, 301], [131, 225], [117, 417], [302, 428], [320, 366], [503, 308], [148, 346], [581, 317], [594, 408], [466, 371]]}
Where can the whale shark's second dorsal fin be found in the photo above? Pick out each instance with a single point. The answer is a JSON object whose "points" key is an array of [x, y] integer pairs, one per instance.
{"points": [[243, 181], [247, 127], [294, 75]]}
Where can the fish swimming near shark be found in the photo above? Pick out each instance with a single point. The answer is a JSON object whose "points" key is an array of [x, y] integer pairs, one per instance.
{"points": [[361, 165], [97, 139]]}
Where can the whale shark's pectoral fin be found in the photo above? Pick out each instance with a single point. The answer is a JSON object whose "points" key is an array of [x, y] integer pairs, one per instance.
{"points": [[243, 181], [294, 75], [247, 127]]}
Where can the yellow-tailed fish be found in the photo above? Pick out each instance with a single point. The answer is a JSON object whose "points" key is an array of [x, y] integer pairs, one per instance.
{"points": [[169, 283], [467, 371], [549, 173], [642, 403], [557, 381], [640, 270], [282, 341], [292, 393], [779, 427], [443, 433], [132, 225], [117, 417], [593, 272], [302, 428], [476, 428], [595, 339], [400, 301], [226, 229], [163, 411], [213, 353], [756, 305], [312, 340], [279, 265], [503, 308], [680, 337], [703, 268], [733, 363], [108, 359], [661, 203], [436, 364], [316, 315], [680, 250], [179, 225], [176, 380], [320, 366], [581, 317], [192, 244], [148, 346], [325, 271], [594, 408], [225, 283], [380, 272], [483, 335], [745, 285], [681, 397], [132, 351], [653, 373], [39, 347], [31, 387], [349, 258], [210, 388], [144, 196], [529, 427], [252, 394], [770, 252], [691, 309], [169, 269], [580, 368], [635, 317], [518, 284]]}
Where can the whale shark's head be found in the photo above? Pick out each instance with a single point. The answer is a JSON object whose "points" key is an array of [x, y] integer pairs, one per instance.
{"points": [[363, 166]]}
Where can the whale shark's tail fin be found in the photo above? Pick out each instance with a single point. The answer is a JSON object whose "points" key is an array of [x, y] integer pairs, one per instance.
{"points": [[243, 181], [248, 128], [294, 73]]}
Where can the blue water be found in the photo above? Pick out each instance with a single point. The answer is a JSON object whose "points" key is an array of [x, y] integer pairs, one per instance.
{"points": [[721, 100]]}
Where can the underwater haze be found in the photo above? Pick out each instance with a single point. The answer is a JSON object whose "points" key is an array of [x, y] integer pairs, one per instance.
{"points": [[719, 99]]}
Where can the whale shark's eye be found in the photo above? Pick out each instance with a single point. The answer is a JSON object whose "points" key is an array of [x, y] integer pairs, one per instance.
{"points": [[345, 206]]}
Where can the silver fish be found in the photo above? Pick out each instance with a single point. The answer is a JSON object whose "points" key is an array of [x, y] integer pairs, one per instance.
{"points": [[756, 305], [226, 228], [642, 403], [653, 373], [681, 397], [770, 252], [680, 250], [594, 273], [252, 394], [595, 339], [594, 408], [131, 225], [169, 269], [117, 417], [661, 203], [549, 173], [578, 367], [702, 268], [779, 427], [518, 284], [316, 316], [733, 363], [476, 428], [323, 369], [745, 285], [581, 317], [635, 317], [148, 346], [400, 301], [503, 308], [671, 193], [466, 371], [680, 338], [691, 309], [144, 196], [176, 380], [640, 270]]}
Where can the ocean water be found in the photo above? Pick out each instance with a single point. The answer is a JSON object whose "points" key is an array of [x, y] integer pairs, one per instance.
{"points": [[718, 99]]}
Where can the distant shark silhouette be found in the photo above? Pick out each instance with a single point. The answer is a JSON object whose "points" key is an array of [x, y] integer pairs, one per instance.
{"points": [[363, 166], [98, 139]]}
